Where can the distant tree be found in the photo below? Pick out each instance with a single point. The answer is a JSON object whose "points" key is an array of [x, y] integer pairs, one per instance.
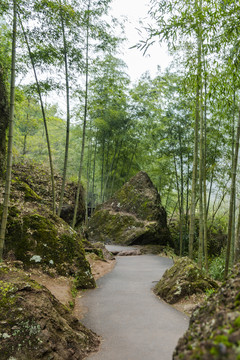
{"points": [[28, 119], [108, 110]]}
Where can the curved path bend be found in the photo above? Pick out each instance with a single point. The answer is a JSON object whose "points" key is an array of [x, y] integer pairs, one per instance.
{"points": [[133, 323]]}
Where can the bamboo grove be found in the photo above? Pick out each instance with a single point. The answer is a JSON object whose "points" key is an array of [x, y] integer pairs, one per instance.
{"points": [[78, 110]]}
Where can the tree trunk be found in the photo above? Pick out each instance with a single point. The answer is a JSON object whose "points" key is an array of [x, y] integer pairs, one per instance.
{"points": [[205, 232], [4, 119], [234, 200], [114, 172], [187, 197], [10, 135], [237, 240], [24, 144], [68, 114], [84, 122], [102, 170], [179, 206], [201, 213], [44, 118], [89, 169], [131, 162], [195, 157], [232, 196], [181, 194], [93, 204], [110, 170], [168, 195]]}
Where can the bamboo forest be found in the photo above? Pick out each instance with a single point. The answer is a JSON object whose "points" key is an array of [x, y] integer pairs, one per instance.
{"points": [[98, 170]]}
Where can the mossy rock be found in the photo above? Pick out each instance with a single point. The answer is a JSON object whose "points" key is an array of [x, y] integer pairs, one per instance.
{"points": [[214, 329], [124, 228], [98, 249], [134, 215], [47, 242], [34, 325], [139, 197], [31, 182], [183, 279], [36, 237], [29, 194]]}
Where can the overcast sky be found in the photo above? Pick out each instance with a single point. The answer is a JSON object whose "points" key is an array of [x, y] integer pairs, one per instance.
{"points": [[137, 63]]}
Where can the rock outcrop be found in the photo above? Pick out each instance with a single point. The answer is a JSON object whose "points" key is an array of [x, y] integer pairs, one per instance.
{"points": [[134, 215], [36, 237], [35, 183], [183, 279], [34, 325], [214, 329]]}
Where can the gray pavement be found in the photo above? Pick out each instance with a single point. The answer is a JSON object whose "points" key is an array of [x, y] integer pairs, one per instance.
{"points": [[133, 322]]}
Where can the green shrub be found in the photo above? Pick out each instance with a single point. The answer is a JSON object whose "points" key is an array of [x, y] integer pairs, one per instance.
{"points": [[216, 268]]}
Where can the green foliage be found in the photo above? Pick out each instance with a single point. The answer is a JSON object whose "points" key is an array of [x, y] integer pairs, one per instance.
{"points": [[7, 297], [29, 194], [237, 322], [209, 292], [5, 47], [146, 126], [216, 267], [217, 236]]}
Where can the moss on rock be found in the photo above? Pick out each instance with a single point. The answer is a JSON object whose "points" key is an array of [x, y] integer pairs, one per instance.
{"points": [[29, 194], [50, 243], [214, 329], [32, 182], [97, 249], [34, 325], [134, 215], [107, 226], [36, 237], [184, 278]]}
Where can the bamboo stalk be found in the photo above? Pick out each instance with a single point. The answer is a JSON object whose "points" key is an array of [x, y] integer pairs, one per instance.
{"points": [[10, 135]]}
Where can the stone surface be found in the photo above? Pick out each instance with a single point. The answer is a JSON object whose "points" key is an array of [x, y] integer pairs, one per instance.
{"points": [[214, 330], [35, 183], [184, 278], [35, 236], [134, 215], [99, 249], [34, 325]]}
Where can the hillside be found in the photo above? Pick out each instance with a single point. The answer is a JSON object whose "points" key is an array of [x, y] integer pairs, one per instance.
{"points": [[32, 320]]}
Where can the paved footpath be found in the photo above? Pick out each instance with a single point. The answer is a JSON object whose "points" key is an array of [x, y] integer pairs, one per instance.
{"points": [[133, 322]]}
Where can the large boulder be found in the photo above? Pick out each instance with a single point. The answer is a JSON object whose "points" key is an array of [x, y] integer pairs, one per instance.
{"points": [[183, 279], [35, 182], [34, 325], [47, 242], [134, 215], [35, 236], [214, 329]]}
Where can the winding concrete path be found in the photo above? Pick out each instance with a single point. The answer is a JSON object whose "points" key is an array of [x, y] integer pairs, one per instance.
{"points": [[133, 322]]}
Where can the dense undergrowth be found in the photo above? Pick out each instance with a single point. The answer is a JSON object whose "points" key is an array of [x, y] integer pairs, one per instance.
{"points": [[217, 240]]}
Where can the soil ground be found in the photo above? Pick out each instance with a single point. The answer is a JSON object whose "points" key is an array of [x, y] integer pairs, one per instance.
{"points": [[188, 304], [61, 286], [100, 268]]}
